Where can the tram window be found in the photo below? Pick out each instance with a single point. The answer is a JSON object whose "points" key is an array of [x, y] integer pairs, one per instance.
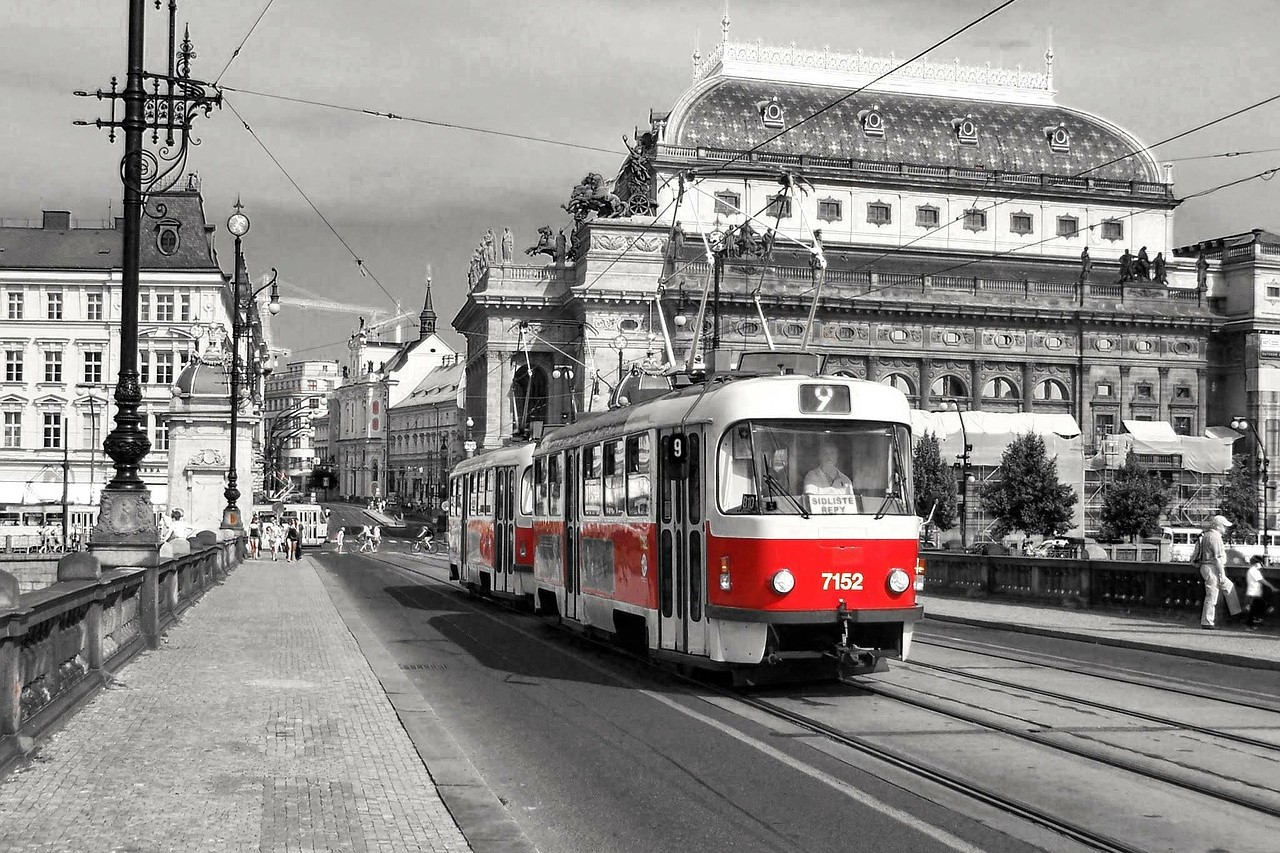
{"points": [[592, 474], [614, 481], [486, 501], [473, 490], [555, 503], [638, 475], [697, 571], [540, 487], [526, 491], [695, 479]]}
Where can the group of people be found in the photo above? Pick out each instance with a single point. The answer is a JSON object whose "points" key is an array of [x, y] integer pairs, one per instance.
{"points": [[279, 537], [369, 537], [1211, 556]]}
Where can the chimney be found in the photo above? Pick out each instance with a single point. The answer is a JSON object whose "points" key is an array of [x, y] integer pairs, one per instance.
{"points": [[57, 220]]}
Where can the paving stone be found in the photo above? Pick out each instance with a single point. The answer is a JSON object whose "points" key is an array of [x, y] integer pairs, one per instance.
{"points": [[257, 726]]}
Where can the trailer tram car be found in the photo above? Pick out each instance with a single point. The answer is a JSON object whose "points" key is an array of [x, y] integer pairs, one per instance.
{"points": [[760, 525], [491, 522]]}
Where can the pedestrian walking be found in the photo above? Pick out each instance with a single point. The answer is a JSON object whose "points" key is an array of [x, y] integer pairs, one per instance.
{"points": [[366, 539], [377, 537], [1255, 603], [340, 538], [293, 542], [255, 537], [1211, 556], [272, 533]]}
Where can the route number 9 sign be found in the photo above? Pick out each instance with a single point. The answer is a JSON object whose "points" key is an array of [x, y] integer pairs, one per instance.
{"points": [[824, 399]]}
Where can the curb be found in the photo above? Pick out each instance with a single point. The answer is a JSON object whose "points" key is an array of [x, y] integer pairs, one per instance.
{"points": [[1226, 658], [481, 817]]}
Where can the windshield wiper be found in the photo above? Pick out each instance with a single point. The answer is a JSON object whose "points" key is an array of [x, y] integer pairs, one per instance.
{"points": [[777, 489], [899, 485]]}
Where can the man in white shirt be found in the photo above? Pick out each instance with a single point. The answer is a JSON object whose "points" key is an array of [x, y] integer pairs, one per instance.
{"points": [[1211, 556], [178, 529], [827, 479]]}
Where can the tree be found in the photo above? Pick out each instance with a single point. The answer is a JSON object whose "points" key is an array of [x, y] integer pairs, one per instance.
{"points": [[935, 483], [1029, 497], [1134, 502], [1239, 497]]}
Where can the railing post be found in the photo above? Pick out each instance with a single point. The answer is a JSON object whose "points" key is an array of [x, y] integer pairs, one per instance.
{"points": [[93, 637], [149, 606], [10, 687]]}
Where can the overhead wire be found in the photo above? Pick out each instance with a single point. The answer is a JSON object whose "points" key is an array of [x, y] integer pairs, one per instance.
{"points": [[425, 121], [235, 53], [1221, 154], [360, 264]]}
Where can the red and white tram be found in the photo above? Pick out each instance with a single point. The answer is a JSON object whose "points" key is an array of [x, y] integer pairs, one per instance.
{"points": [[491, 522], [735, 524]]}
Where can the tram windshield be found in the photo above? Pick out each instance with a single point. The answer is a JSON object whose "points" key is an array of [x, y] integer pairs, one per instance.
{"points": [[815, 468]]}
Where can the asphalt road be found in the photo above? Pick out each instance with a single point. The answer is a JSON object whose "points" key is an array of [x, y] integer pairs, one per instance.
{"points": [[590, 751]]}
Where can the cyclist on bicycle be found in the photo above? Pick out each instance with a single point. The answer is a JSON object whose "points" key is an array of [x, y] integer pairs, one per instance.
{"points": [[426, 539]]}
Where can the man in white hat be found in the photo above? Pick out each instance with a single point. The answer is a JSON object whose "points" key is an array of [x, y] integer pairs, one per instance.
{"points": [[1211, 555]]}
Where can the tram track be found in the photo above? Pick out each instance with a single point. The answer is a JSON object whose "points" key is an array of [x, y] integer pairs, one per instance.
{"points": [[1119, 676], [1168, 722], [899, 761]]}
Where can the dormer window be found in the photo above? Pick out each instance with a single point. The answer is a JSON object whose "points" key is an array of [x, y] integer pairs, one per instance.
{"points": [[872, 122], [167, 240], [1059, 138], [966, 130], [771, 113]]}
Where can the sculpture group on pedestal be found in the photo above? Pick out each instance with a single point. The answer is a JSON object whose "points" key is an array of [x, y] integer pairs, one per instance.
{"points": [[1141, 267]]}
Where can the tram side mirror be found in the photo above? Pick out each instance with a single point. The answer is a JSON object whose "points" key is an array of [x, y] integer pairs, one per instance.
{"points": [[675, 454]]}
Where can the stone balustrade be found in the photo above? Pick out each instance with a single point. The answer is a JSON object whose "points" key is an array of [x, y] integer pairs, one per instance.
{"points": [[60, 644], [1158, 587]]}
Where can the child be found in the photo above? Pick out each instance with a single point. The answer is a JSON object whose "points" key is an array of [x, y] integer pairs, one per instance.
{"points": [[340, 538], [1254, 604]]}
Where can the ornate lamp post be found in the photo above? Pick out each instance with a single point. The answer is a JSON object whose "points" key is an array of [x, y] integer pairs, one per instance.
{"points": [[620, 344], [242, 304], [1245, 425], [126, 534], [966, 477], [470, 444]]}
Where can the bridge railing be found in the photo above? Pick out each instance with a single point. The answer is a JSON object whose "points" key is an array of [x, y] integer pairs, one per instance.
{"points": [[1156, 587], [60, 644]]}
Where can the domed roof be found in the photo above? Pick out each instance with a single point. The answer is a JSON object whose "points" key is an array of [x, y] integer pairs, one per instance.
{"points": [[726, 112], [203, 380]]}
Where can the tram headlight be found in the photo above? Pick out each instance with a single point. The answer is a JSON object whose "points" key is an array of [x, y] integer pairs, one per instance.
{"points": [[898, 581], [783, 581]]}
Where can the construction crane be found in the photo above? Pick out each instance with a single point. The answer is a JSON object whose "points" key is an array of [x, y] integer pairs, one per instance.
{"points": [[308, 299]]}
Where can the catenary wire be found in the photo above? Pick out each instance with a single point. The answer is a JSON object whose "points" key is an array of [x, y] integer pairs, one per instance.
{"points": [[360, 264], [426, 121], [235, 53], [1221, 154]]}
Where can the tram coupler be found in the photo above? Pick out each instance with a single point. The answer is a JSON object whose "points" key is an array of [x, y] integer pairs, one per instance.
{"points": [[852, 659]]}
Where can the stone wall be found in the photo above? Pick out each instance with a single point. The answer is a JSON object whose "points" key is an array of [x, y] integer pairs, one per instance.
{"points": [[33, 571]]}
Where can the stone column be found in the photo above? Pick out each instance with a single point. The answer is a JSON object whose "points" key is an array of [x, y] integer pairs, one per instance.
{"points": [[873, 369], [1120, 392], [975, 384], [926, 379], [1028, 395], [1163, 411]]}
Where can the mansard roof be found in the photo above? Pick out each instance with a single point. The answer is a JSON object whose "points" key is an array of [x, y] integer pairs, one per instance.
{"points": [[56, 245]]}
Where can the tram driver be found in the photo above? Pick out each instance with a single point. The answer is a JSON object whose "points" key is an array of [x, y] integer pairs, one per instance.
{"points": [[827, 478]]}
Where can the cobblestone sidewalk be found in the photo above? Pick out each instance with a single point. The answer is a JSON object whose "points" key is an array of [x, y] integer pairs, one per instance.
{"points": [[258, 726]]}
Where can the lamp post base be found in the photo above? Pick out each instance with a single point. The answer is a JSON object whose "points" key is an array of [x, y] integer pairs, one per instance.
{"points": [[126, 534]]}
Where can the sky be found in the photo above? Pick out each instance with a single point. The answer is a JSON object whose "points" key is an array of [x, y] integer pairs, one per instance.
{"points": [[406, 195]]}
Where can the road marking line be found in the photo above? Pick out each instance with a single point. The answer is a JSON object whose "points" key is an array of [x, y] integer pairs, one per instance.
{"points": [[861, 797]]}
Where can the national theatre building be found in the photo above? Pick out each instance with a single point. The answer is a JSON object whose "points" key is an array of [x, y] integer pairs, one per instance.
{"points": [[969, 241]]}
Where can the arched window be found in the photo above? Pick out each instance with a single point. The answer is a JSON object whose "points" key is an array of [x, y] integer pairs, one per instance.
{"points": [[900, 382], [529, 394], [1000, 389], [949, 386], [1051, 390]]}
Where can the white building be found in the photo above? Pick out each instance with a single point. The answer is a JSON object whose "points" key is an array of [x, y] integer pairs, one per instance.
{"points": [[60, 343], [380, 375], [292, 403]]}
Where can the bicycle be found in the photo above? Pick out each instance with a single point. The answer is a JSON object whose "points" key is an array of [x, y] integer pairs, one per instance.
{"points": [[435, 546]]}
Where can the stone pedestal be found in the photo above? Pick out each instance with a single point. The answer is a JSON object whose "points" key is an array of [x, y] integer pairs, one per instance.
{"points": [[200, 446], [126, 532]]}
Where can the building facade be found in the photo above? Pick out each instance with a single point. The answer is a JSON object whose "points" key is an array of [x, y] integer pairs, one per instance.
{"points": [[60, 343], [427, 436], [293, 400], [379, 376], [951, 231]]}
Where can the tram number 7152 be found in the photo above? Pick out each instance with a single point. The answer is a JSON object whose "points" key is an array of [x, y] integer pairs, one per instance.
{"points": [[842, 580]]}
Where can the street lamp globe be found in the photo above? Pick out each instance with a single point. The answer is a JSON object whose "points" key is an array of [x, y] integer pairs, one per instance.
{"points": [[1239, 423], [620, 343], [238, 224]]}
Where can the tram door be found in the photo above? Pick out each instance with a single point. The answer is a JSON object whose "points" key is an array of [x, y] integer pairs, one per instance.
{"points": [[681, 561], [504, 532], [572, 583], [466, 509]]}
